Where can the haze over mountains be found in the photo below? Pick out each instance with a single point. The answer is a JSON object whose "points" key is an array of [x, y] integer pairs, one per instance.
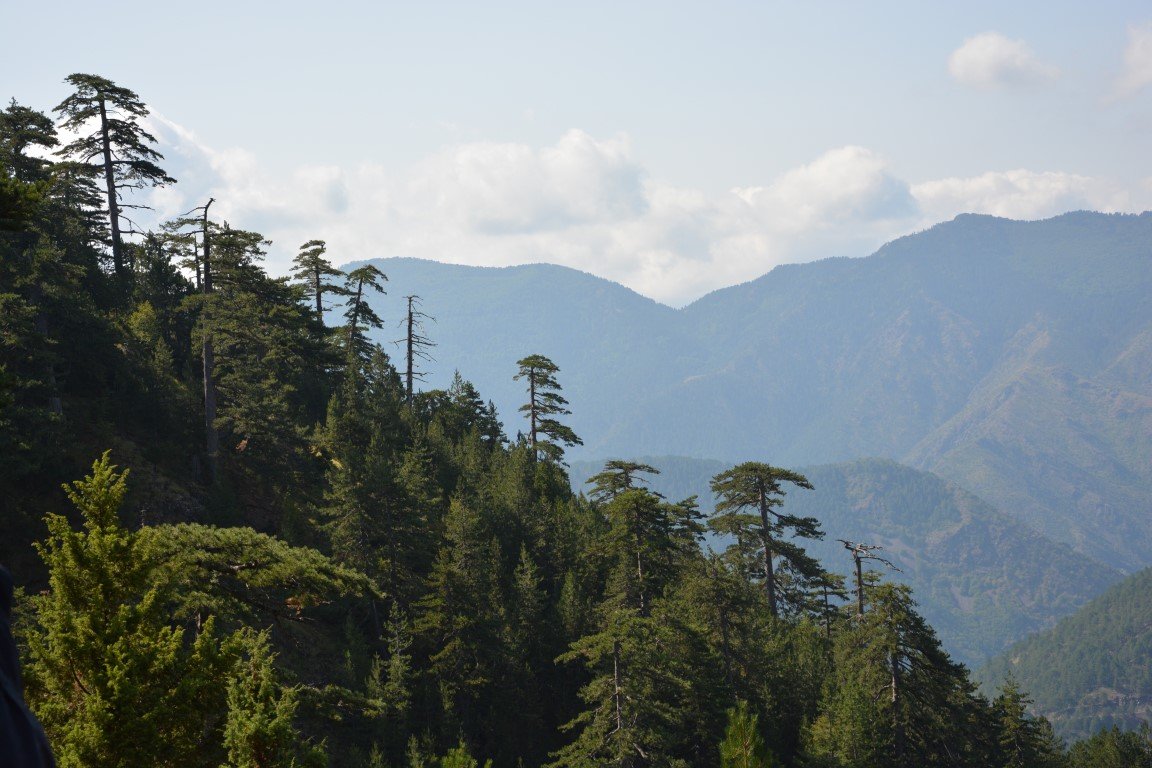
{"points": [[1014, 358]]}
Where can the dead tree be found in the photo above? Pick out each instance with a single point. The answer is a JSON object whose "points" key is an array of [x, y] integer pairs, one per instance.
{"points": [[860, 553], [416, 344]]}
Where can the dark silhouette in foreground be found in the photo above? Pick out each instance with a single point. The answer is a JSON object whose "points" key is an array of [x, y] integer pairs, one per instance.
{"points": [[22, 740]]}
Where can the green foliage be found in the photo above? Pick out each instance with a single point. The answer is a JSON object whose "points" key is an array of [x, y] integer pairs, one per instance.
{"points": [[118, 149], [101, 645], [311, 270], [743, 746], [1024, 741], [546, 435], [1090, 671], [758, 535], [359, 312], [259, 732], [1113, 748], [460, 757]]}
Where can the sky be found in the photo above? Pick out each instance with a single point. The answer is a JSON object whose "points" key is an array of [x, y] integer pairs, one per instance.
{"points": [[673, 147]]}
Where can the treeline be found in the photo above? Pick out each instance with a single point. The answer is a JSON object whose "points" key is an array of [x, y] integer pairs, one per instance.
{"points": [[313, 563]]}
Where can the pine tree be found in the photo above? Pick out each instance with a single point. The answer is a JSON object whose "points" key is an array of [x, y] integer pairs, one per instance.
{"points": [[756, 486], [546, 435], [743, 745], [21, 128], [118, 149], [896, 698], [1023, 740], [1113, 748], [311, 270], [359, 312]]}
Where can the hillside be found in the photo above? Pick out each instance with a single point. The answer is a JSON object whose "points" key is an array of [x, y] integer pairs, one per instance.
{"points": [[982, 578], [1010, 357], [1091, 670]]}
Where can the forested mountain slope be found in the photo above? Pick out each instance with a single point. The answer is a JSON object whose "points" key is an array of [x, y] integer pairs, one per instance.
{"points": [[1011, 357], [982, 578], [1091, 670]]}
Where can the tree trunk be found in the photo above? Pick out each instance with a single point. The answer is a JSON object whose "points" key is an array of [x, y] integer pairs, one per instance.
{"points": [[769, 575], [617, 689], [408, 372], [319, 296], [897, 723], [110, 184], [859, 585], [211, 435], [354, 320], [532, 410]]}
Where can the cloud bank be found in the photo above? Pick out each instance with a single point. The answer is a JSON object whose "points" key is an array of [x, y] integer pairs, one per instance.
{"points": [[585, 202]]}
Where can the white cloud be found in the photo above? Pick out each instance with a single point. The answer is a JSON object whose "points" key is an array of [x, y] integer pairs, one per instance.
{"points": [[1018, 194], [1137, 72], [586, 203], [991, 60]]}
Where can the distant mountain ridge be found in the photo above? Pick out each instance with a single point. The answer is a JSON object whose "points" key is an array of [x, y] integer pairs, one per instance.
{"points": [[1012, 358]]}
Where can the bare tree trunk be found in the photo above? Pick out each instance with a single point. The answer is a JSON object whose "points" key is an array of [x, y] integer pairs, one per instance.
{"points": [[319, 296], [640, 582], [532, 410], [354, 320], [408, 372]]}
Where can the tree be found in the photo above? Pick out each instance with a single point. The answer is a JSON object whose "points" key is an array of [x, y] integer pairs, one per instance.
{"points": [[21, 128], [860, 553], [896, 699], [259, 732], [113, 682], [743, 746], [1113, 748], [617, 476], [1022, 741], [118, 148], [545, 433], [416, 344], [311, 269], [359, 311], [757, 486]]}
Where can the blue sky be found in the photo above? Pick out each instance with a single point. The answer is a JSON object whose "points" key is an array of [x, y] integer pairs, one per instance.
{"points": [[674, 147]]}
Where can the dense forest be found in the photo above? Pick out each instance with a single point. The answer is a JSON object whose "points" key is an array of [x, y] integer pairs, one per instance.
{"points": [[246, 538], [1090, 670]]}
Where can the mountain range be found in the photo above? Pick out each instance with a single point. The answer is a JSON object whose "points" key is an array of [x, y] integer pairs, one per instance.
{"points": [[1011, 358]]}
